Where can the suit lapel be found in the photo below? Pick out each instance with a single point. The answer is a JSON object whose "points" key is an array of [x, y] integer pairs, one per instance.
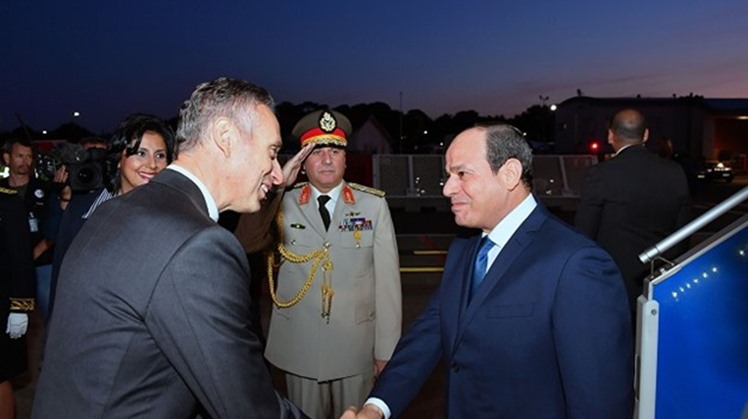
{"points": [[311, 212], [455, 292], [495, 279]]}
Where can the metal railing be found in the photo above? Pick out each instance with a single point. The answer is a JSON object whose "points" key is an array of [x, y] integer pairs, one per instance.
{"points": [[668, 242], [422, 175]]}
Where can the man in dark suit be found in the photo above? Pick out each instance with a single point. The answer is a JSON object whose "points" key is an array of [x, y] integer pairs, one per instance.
{"points": [[633, 200], [152, 314], [530, 318]]}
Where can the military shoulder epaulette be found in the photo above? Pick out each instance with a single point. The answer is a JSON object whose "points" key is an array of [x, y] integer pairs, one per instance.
{"points": [[367, 189], [300, 185], [8, 191]]}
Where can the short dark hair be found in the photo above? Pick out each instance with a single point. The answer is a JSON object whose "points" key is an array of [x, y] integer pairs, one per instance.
{"points": [[230, 98], [127, 137], [504, 142], [8, 146]]}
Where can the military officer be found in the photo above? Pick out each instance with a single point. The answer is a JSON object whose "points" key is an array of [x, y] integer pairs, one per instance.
{"points": [[16, 293], [337, 312]]}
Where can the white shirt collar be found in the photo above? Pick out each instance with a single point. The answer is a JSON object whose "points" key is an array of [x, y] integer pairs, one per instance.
{"points": [[334, 194], [625, 147], [506, 228], [209, 201]]}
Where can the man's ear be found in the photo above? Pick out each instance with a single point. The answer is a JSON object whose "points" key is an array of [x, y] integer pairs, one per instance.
{"points": [[223, 133], [646, 136], [510, 173], [6, 158]]}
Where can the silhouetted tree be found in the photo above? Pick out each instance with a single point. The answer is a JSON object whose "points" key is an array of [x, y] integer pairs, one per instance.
{"points": [[70, 131], [538, 122]]}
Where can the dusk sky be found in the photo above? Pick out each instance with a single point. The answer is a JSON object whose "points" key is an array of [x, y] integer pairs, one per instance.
{"points": [[107, 59]]}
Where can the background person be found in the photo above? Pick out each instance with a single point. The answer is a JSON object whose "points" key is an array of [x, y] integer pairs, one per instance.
{"points": [[152, 315], [37, 196], [530, 319], [255, 236], [334, 339], [633, 200], [16, 294], [140, 147]]}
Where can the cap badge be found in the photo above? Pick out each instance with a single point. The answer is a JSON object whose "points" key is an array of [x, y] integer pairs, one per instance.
{"points": [[327, 122]]}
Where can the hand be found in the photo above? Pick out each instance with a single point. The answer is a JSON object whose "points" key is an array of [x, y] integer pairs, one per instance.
{"points": [[378, 367], [61, 175], [18, 323], [293, 165], [369, 411], [40, 248], [65, 194]]}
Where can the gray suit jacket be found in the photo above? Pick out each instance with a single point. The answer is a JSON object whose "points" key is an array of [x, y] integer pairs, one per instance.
{"points": [[366, 314], [152, 316]]}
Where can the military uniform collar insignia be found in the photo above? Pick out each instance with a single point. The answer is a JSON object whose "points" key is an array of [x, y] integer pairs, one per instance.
{"points": [[305, 194], [348, 195]]}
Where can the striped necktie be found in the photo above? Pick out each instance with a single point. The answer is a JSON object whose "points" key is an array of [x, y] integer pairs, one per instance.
{"points": [[481, 263]]}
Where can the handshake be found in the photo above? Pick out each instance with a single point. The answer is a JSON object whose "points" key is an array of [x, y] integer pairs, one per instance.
{"points": [[369, 411]]}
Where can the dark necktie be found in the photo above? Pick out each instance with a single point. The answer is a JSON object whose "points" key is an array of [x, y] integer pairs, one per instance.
{"points": [[322, 199], [481, 262]]}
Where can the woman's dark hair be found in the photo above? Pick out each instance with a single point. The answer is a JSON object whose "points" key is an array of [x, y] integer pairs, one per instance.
{"points": [[127, 138]]}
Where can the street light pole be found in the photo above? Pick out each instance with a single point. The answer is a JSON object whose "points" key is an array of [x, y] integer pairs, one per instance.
{"points": [[400, 134]]}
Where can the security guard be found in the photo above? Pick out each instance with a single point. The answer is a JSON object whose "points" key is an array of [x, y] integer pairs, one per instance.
{"points": [[337, 311], [16, 292], [37, 196]]}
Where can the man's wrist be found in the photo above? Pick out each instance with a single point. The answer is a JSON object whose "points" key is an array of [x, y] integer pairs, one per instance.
{"points": [[377, 406]]}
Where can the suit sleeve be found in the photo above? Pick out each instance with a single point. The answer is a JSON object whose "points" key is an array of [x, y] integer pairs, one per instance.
{"points": [[415, 357], [684, 210], [388, 290], [590, 207], [199, 315], [593, 337]]}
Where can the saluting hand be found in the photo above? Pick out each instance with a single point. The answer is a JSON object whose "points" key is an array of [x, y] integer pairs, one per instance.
{"points": [[293, 165]]}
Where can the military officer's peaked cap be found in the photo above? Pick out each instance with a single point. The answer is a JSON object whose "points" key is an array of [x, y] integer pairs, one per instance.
{"points": [[324, 128]]}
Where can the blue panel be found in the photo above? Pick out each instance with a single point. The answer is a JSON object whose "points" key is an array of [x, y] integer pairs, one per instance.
{"points": [[702, 365]]}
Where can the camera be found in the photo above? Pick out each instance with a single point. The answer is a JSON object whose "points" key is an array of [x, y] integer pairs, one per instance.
{"points": [[86, 166], [87, 172]]}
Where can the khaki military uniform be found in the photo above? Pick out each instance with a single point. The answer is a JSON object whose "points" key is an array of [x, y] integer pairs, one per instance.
{"points": [[365, 314]]}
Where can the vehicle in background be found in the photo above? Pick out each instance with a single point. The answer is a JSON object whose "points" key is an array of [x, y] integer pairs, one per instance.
{"points": [[715, 171]]}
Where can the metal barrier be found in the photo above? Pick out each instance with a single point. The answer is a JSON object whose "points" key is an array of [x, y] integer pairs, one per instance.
{"points": [[419, 175], [691, 334]]}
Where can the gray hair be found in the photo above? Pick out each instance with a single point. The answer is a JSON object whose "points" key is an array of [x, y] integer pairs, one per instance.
{"points": [[504, 142], [222, 97]]}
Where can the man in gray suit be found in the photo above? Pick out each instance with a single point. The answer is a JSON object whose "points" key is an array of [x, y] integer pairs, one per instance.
{"points": [[337, 310], [152, 316]]}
